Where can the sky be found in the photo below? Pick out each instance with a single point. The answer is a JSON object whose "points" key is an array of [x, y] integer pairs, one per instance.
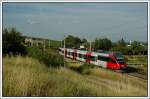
{"points": [[85, 20]]}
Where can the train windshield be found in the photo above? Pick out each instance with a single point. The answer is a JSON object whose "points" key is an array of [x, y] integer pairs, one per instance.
{"points": [[120, 58]]}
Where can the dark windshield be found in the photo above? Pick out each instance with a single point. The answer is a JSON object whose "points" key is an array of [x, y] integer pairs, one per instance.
{"points": [[120, 58], [121, 62], [118, 54]]}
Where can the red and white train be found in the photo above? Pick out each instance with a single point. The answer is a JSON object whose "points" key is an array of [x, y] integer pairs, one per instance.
{"points": [[110, 60]]}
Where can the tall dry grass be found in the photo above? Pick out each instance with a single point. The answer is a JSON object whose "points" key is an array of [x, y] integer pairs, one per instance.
{"points": [[24, 76]]}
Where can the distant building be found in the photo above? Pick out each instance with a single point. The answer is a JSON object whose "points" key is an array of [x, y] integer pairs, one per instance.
{"points": [[28, 41], [81, 47], [128, 45], [32, 42]]}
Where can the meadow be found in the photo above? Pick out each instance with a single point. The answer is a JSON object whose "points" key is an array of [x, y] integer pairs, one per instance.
{"points": [[26, 76], [141, 61]]}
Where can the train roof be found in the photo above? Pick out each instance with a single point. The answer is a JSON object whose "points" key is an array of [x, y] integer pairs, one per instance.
{"points": [[98, 52]]}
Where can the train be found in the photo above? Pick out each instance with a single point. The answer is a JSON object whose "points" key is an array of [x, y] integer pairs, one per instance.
{"points": [[105, 59]]}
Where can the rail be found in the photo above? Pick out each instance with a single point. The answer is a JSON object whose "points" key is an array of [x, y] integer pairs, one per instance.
{"points": [[136, 63]]}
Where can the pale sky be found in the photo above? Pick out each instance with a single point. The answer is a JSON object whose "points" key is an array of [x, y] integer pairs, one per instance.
{"points": [[85, 20]]}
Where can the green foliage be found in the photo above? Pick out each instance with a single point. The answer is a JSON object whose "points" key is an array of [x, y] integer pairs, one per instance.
{"points": [[124, 50], [72, 41], [53, 44], [102, 43], [121, 43], [12, 42], [49, 59], [136, 48], [83, 69]]}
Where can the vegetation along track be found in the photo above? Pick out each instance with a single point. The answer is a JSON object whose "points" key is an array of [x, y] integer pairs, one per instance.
{"points": [[129, 72]]}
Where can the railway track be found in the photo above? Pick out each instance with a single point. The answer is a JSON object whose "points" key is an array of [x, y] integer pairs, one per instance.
{"points": [[133, 74], [124, 72], [144, 77]]}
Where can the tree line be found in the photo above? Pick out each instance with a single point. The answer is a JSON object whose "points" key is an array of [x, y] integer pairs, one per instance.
{"points": [[135, 48], [13, 43]]}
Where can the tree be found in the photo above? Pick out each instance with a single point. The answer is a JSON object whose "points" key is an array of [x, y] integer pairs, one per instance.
{"points": [[72, 41], [83, 41], [121, 43], [137, 48], [12, 42], [104, 44]]}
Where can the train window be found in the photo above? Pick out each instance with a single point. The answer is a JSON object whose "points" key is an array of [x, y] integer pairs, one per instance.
{"points": [[111, 60], [93, 58], [102, 58], [80, 55], [85, 57]]}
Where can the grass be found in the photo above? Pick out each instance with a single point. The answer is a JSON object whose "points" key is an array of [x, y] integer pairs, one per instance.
{"points": [[25, 76], [140, 59], [51, 59], [137, 58]]}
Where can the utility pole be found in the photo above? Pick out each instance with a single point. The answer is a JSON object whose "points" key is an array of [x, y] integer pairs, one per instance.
{"points": [[44, 45], [62, 43], [49, 43], [90, 46], [64, 50], [37, 43]]}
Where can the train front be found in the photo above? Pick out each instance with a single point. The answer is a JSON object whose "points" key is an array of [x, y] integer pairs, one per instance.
{"points": [[120, 60]]}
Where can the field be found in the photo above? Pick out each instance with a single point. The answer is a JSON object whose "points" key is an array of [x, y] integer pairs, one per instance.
{"points": [[140, 63], [25, 76]]}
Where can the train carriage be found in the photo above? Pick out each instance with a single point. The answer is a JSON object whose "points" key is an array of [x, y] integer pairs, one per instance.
{"points": [[70, 53], [110, 60], [81, 55]]}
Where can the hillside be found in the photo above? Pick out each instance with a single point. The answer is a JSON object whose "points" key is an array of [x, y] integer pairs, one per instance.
{"points": [[25, 76]]}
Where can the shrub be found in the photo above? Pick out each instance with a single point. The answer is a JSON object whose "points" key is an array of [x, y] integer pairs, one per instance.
{"points": [[12, 42], [83, 69], [49, 59]]}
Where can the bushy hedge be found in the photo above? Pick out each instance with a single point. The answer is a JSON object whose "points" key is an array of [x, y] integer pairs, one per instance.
{"points": [[49, 59], [83, 69]]}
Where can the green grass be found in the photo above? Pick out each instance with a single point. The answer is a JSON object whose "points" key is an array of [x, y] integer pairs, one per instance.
{"points": [[49, 58], [25, 76], [139, 59]]}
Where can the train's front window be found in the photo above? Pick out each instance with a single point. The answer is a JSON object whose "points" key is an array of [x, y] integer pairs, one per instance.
{"points": [[120, 58], [119, 55]]}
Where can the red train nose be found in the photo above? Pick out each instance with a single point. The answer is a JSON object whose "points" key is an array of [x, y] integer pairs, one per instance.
{"points": [[123, 65]]}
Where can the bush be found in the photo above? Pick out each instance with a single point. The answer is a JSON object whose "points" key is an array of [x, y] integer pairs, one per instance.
{"points": [[83, 69], [49, 59], [12, 42]]}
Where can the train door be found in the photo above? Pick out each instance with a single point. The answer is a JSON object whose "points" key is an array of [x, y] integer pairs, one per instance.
{"points": [[75, 54], [102, 61], [88, 57]]}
